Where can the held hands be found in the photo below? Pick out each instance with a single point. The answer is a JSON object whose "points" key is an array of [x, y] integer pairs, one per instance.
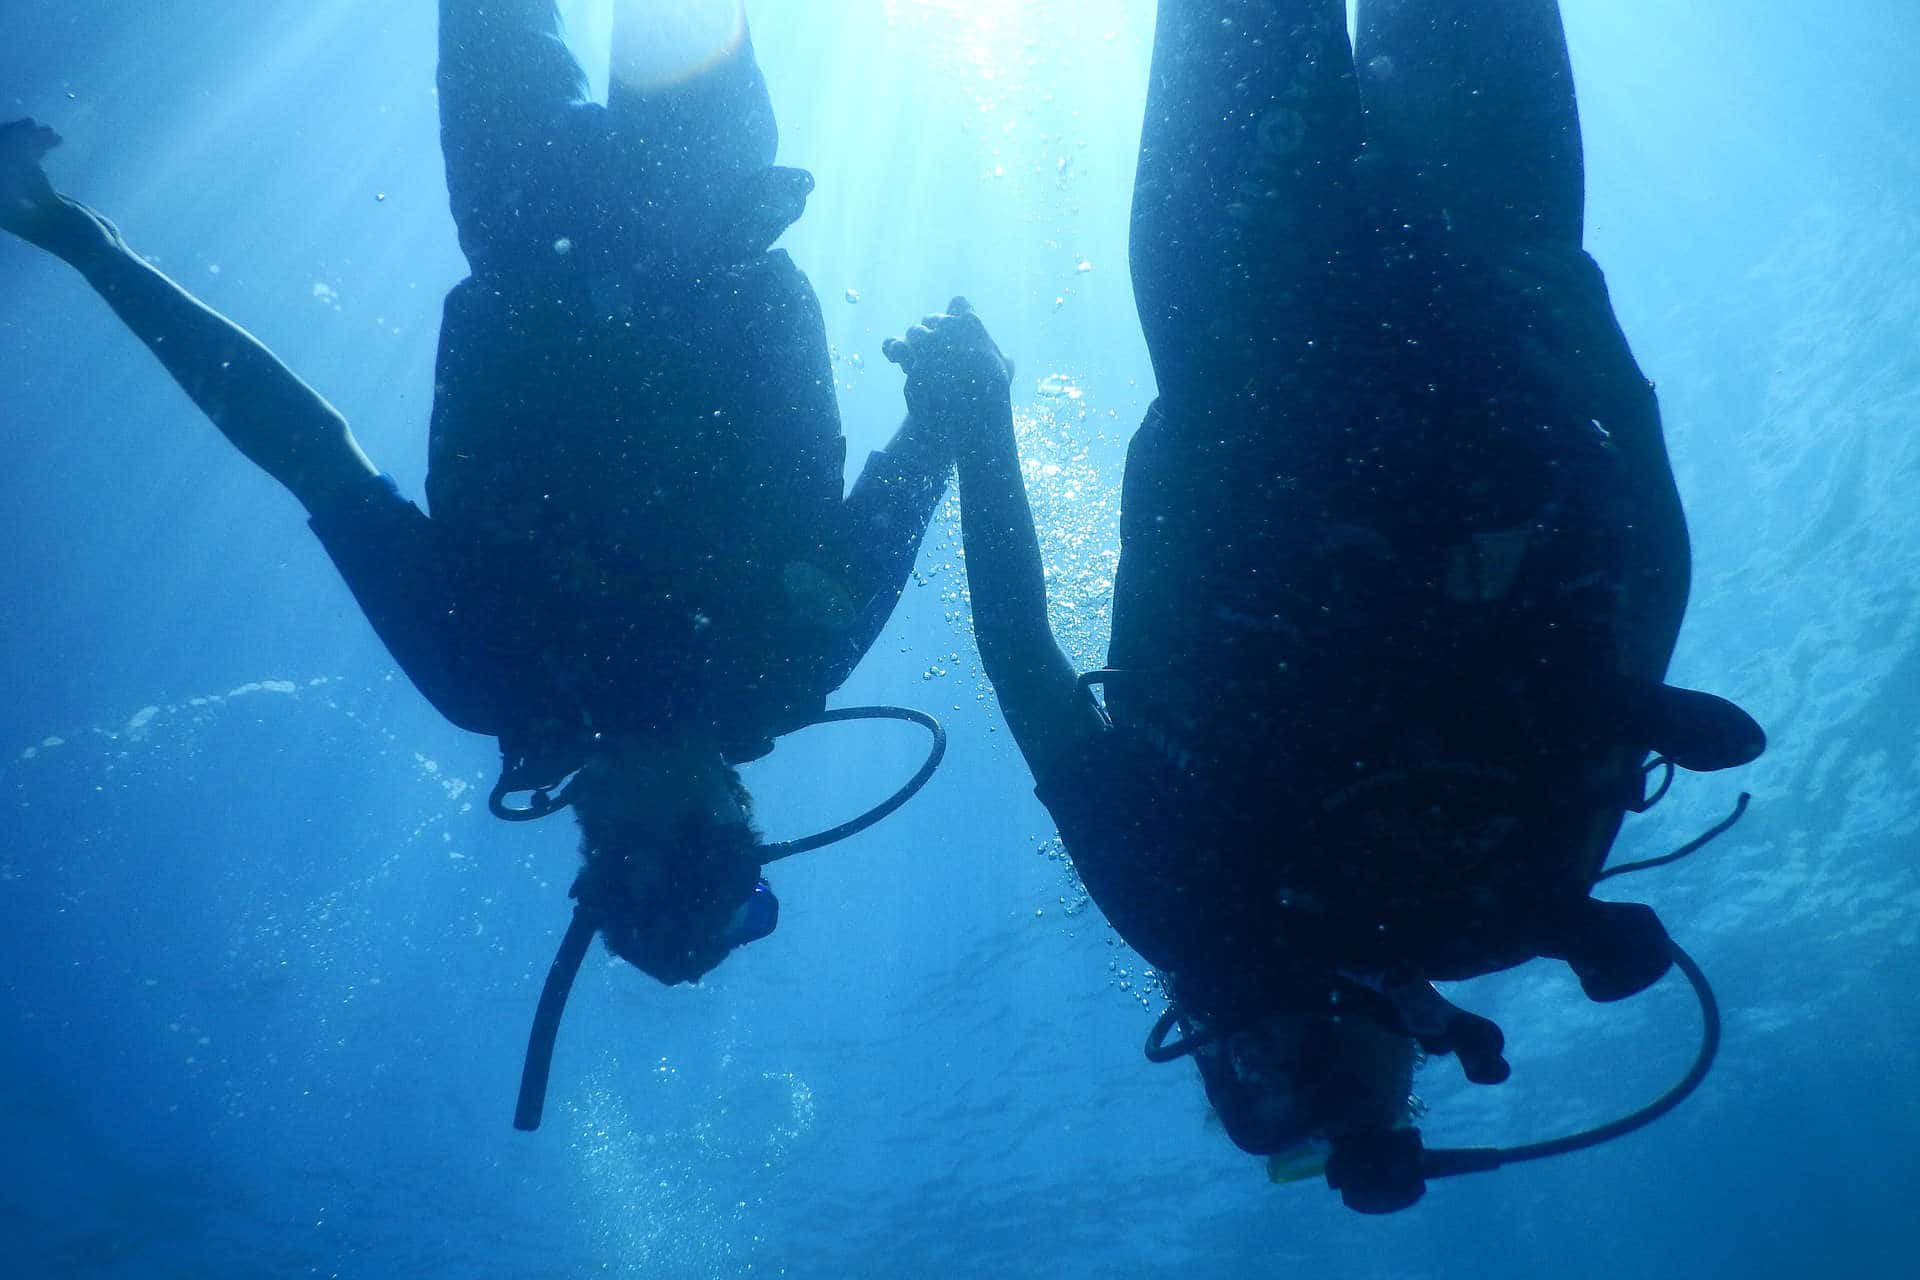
{"points": [[27, 199], [955, 372]]}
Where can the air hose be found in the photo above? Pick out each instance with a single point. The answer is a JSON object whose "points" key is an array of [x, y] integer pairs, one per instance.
{"points": [[770, 853], [546, 1020], [1448, 1162]]}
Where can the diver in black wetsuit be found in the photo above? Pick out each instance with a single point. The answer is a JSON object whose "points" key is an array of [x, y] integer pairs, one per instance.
{"points": [[639, 566], [1402, 563]]}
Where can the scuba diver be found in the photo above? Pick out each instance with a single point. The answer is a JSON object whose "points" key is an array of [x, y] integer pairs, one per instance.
{"points": [[639, 568], [1402, 567]]}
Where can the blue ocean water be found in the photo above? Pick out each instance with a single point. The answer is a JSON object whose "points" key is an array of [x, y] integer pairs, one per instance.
{"points": [[268, 965]]}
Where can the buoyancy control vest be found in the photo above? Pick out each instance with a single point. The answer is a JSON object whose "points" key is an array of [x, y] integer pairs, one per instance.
{"points": [[648, 475], [1399, 627]]}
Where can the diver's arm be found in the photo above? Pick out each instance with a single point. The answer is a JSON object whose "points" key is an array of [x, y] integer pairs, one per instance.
{"points": [[892, 503], [278, 422], [885, 520], [902, 482], [970, 397], [922, 447], [1038, 690]]}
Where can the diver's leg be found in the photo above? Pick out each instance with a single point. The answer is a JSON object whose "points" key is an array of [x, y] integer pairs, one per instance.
{"points": [[686, 91], [416, 595], [1252, 124], [1245, 247], [1474, 99], [502, 60], [514, 117], [274, 419], [692, 182]]}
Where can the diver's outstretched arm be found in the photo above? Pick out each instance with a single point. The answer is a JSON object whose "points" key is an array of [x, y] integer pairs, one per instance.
{"points": [[282, 425], [957, 378], [892, 503], [886, 518]]}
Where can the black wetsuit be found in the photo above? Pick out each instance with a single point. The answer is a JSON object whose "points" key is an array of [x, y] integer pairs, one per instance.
{"points": [[1399, 523], [635, 474]]}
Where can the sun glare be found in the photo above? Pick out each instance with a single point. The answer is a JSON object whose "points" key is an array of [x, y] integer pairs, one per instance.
{"points": [[658, 43]]}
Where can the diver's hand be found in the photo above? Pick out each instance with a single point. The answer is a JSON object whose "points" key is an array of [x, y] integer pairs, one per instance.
{"points": [[27, 199], [955, 372]]}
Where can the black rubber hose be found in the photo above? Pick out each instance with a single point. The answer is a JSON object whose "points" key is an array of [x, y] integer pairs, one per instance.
{"points": [[546, 1020], [1158, 1050], [1446, 1163], [1694, 845], [771, 853], [542, 804]]}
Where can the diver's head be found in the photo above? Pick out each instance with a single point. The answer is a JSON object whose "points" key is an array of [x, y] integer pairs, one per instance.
{"points": [[1289, 1079], [672, 872]]}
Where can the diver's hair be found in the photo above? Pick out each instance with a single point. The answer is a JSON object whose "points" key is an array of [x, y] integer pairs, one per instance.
{"points": [[663, 887], [742, 797], [605, 831]]}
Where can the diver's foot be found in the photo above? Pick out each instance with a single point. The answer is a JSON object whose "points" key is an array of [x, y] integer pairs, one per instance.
{"points": [[1700, 732], [1378, 1172], [1616, 949], [761, 211], [1480, 1046], [27, 199], [1443, 1027]]}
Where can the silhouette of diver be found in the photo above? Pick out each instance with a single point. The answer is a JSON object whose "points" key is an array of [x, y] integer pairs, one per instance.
{"points": [[1402, 566], [639, 568]]}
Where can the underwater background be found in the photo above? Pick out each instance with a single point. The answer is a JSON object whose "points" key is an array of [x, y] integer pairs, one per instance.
{"points": [[266, 965]]}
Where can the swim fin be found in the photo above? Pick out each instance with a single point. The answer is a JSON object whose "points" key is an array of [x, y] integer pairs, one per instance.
{"points": [[1697, 731], [1615, 949], [766, 204]]}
